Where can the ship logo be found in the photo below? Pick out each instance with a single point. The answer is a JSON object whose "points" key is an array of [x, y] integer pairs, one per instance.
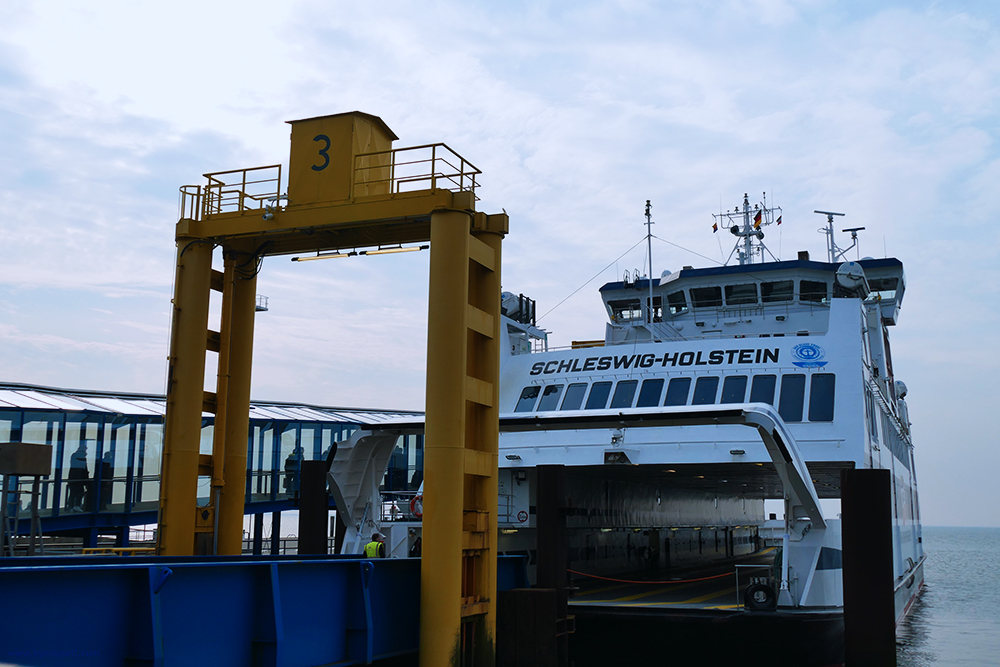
{"points": [[808, 355]]}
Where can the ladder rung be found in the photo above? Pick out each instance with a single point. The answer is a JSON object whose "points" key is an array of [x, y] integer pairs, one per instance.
{"points": [[480, 464], [218, 280], [479, 321], [476, 541], [214, 341], [478, 391], [482, 254], [475, 609]]}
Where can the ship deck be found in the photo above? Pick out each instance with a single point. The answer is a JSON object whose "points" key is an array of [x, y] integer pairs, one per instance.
{"points": [[707, 587]]}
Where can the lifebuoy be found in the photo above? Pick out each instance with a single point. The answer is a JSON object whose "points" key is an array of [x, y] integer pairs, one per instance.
{"points": [[759, 597], [417, 506]]}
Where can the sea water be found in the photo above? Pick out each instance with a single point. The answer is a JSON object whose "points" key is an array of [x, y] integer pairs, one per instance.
{"points": [[956, 620]]}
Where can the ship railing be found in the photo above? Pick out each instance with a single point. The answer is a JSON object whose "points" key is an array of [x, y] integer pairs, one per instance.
{"points": [[397, 506], [280, 545], [889, 410], [505, 507], [664, 331]]}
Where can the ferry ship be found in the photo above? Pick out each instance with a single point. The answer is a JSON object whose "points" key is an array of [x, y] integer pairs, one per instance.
{"points": [[714, 390]]}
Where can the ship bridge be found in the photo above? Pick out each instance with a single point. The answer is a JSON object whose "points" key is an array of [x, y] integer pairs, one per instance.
{"points": [[755, 300]]}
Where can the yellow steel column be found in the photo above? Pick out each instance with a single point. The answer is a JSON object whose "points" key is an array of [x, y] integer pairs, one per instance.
{"points": [[221, 395], [444, 453], [484, 360], [185, 397], [458, 573], [229, 513]]}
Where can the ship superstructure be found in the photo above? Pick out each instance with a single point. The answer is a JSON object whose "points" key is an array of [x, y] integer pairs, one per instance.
{"points": [[713, 390]]}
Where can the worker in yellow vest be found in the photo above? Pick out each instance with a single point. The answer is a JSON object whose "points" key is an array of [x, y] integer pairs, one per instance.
{"points": [[375, 548]]}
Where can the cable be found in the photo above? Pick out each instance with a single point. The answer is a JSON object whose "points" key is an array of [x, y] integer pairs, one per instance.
{"points": [[592, 279], [686, 250]]}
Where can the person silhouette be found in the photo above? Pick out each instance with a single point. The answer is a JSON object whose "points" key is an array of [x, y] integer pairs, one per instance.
{"points": [[292, 465], [78, 476], [107, 475]]}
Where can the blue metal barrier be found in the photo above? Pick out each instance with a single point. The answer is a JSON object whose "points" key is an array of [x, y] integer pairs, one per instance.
{"points": [[292, 611]]}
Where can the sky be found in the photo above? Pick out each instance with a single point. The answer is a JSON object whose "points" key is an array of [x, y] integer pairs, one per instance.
{"points": [[576, 113]]}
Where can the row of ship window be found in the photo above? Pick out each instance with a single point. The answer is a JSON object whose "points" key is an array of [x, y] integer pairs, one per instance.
{"points": [[704, 390], [815, 291]]}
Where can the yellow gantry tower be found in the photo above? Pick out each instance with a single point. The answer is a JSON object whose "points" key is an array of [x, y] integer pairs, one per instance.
{"points": [[347, 189]]}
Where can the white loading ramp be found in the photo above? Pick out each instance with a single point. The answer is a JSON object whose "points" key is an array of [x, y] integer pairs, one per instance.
{"points": [[354, 477]]}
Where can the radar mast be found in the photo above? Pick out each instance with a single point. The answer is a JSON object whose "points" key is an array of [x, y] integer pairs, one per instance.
{"points": [[833, 251], [746, 225]]}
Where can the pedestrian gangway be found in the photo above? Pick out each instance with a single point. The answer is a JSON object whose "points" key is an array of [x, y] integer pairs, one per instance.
{"points": [[107, 449]]}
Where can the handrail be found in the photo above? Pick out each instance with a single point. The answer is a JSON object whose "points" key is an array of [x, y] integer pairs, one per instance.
{"points": [[252, 188], [393, 175]]}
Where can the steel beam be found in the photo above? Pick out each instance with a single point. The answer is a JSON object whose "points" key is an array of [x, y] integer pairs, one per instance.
{"points": [[237, 343], [185, 398]]}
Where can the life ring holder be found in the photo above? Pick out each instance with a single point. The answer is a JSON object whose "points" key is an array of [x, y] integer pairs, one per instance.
{"points": [[417, 506]]}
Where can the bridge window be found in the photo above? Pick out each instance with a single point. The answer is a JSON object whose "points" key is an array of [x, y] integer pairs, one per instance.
{"points": [[706, 297], [676, 302], [574, 396], [884, 287], [649, 395], [527, 401], [625, 310], [705, 390], [762, 389], [810, 290], [624, 393], [793, 389], [780, 290], [738, 295], [821, 392], [550, 397], [598, 398], [657, 308], [677, 391], [734, 389]]}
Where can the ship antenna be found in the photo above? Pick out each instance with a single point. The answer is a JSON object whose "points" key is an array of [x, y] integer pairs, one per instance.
{"points": [[649, 244], [835, 252]]}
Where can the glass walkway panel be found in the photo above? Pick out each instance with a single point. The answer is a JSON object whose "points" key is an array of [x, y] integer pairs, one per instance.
{"points": [[107, 448]]}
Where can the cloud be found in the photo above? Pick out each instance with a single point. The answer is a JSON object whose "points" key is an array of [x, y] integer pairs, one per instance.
{"points": [[577, 114]]}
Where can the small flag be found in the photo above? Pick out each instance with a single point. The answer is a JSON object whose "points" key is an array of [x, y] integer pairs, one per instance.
{"points": [[715, 227], [756, 220], [779, 220]]}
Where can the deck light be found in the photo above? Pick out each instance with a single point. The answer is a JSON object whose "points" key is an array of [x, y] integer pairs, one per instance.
{"points": [[326, 255], [513, 457], [400, 248], [737, 452]]}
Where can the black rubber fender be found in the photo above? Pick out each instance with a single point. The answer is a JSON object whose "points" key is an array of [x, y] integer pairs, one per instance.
{"points": [[760, 597]]}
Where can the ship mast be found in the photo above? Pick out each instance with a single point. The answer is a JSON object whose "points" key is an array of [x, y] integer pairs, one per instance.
{"points": [[833, 251], [746, 224], [649, 244]]}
